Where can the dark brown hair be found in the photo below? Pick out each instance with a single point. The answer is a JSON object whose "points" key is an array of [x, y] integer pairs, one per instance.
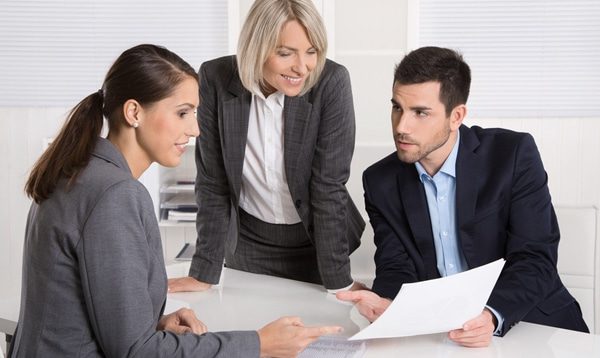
{"points": [[145, 73], [441, 65]]}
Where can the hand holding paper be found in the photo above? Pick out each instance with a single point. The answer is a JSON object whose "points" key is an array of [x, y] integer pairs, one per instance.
{"points": [[434, 306], [476, 332], [369, 304]]}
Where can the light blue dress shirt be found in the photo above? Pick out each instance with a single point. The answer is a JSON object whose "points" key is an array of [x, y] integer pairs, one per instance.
{"points": [[441, 200]]}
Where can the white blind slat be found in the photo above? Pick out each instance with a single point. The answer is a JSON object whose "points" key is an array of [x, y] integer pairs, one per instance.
{"points": [[529, 58], [55, 52]]}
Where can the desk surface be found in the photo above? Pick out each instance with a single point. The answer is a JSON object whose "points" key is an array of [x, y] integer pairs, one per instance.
{"points": [[249, 301], [245, 301]]}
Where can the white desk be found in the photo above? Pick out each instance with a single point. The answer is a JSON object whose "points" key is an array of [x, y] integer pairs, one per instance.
{"points": [[249, 301]]}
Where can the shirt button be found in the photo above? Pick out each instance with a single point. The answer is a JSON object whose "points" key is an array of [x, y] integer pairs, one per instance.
{"points": [[444, 233]]}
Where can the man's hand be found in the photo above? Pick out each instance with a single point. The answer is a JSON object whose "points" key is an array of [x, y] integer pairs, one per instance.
{"points": [[187, 284], [287, 337], [368, 303], [181, 321], [477, 332], [358, 286]]}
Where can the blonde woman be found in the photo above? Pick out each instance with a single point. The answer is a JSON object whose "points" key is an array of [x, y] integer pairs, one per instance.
{"points": [[277, 124]]}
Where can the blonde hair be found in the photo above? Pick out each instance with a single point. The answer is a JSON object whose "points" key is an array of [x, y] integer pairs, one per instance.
{"points": [[260, 35]]}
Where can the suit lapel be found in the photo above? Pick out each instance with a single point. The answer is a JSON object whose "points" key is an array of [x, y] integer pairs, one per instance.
{"points": [[468, 174], [412, 195], [236, 111], [296, 112]]}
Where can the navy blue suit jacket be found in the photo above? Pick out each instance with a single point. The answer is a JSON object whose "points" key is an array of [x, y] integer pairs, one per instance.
{"points": [[503, 210]]}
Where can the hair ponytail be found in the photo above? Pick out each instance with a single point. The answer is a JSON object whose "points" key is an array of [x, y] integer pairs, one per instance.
{"points": [[146, 73], [70, 151]]}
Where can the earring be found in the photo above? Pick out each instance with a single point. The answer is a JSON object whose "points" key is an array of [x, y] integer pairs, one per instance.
{"points": [[135, 124]]}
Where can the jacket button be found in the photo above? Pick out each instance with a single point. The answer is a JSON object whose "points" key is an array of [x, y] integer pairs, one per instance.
{"points": [[311, 228], [298, 203]]}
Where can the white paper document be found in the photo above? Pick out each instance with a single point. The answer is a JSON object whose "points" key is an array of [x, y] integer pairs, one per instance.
{"points": [[434, 306], [333, 347]]}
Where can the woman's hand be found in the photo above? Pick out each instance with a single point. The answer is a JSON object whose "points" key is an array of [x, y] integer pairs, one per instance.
{"points": [[187, 284], [287, 337], [181, 321]]}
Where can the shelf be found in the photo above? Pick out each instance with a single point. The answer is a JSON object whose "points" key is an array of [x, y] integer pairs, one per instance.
{"points": [[177, 188], [171, 223]]}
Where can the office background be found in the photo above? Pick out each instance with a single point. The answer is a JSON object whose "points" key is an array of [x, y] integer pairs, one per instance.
{"points": [[535, 68]]}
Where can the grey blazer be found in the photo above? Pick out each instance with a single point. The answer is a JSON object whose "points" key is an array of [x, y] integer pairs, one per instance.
{"points": [[319, 143], [94, 281]]}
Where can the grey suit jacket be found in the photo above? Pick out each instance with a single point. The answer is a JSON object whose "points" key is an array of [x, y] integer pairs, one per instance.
{"points": [[319, 143], [94, 281]]}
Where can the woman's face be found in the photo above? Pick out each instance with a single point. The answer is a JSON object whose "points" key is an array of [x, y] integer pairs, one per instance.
{"points": [[287, 68], [166, 126]]}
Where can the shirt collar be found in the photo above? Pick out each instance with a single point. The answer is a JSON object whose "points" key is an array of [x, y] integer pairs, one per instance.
{"points": [[449, 166], [278, 96]]}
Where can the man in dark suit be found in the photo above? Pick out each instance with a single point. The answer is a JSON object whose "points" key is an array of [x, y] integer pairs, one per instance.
{"points": [[453, 198]]}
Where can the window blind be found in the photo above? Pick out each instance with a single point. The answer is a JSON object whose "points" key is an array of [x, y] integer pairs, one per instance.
{"points": [[529, 58], [55, 52]]}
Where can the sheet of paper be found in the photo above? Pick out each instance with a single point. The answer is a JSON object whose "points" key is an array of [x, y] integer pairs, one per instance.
{"points": [[434, 306], [333, 347]]}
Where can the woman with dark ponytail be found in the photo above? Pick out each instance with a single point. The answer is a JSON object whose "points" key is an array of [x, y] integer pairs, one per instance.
{"points": [[94, 281]]}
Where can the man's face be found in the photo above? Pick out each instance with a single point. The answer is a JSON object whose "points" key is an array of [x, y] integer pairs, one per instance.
{"points": [[420, 126]]}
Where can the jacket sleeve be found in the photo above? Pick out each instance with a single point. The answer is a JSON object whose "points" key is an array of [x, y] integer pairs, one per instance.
{"points": [[212, 189], [329, 174], [115, 261], [532, 243]]}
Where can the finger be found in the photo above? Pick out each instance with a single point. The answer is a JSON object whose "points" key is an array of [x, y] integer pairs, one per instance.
{"points": [[322, 330], [189, 319], [474, 343], [463, 333], [353, 296], [480, 342], [476, 335], [180, 329], [292, 320], [482, 319], [344, 295]]}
